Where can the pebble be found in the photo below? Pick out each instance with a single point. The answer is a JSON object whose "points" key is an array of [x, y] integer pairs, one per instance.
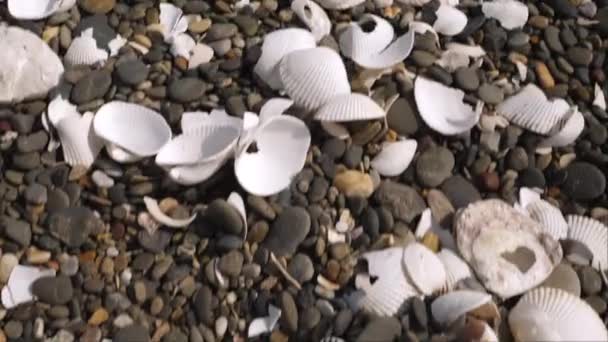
{"points": [[579, 56], [17, 230], [460, 191], [544, 76], [564, 277], [289, 317], [219, 31], [563, 8], [301, 268], [72, 226], [401, 117], [289, 230], [551, 35], [98, 317], [434, 166], [186, 89], [8, 261], [92, 86], [34, 142], [13, 329], [517, 159], [132, 333], [225, 217], [584, 181], [132, 72], [354, 184], [381, 329], [203, 307], [597, 303], [403, 201], [466, 78], [231, 263], [591, 282], [97, 6], [423, 58], [221, 325], [490, 94], [343, 321], [53, 290]]}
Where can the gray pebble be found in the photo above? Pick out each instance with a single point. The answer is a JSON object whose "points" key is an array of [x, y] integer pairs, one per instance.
{"points": [[579, 56], [72, 226], [552, 39], [231, 263], [36, 194], [517, 159], [380, 329], [584, 181], [423, 58], [401, 117], [132, 333], [34, 142], [466, 78], [591, 282], [219, 31], [53, 290], [203, 305], [403, 201], [132, 72], [490, 94], [289, 318], [225, 217], [301, 268], [460, 191], [186, 89], [434, 166], [17, 230], [92, 86], [289, 229]]}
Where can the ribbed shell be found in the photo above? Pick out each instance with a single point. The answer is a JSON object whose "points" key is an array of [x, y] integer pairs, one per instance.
{"points": [[350, 107], [550, 217], [594, 235]]}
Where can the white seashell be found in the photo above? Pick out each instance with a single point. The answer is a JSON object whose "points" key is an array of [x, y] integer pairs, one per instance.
{"points": [[339, 4], [312, 77], [264, 325], [121, 155], [489, 232], [193, 174], [531, 109], [282, 144], [335, 129], [132, 127], [450, 21], [29, 67], [424, 268], [456, 269], [350, 107], [428, 224], [58, 109], [18, 289], [65, 5], [273, 108], [158, 215], [593, 234], [200, 54], [528, 196], [278, 44], [182, 45], [550, 314], [549, 217], [193, 121], [313, 16], [236, 201], [80, 144], [373, 49], [32, 9], [489, 335], [600, 99], [522, 70], [172, 20], [447, 308], [210, 142], [116, 44], [511, 14], [395, 157], [568, 133], [84, 51], [442, 108]]}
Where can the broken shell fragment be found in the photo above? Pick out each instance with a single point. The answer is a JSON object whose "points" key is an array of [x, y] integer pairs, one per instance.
{"points": [[450, 20], [550, 314], [599, 99], [593, 234], [531, 109], [278, 44], [572, 128], [455, 268], [313, 16], [158, 215], [424, 268], [509, 252], [200, 54], [182, 45], [263, 325], [114, 122], [265, 167], [442, 108], [197, 173], [312, 77], [172, 21], [511, 14], [236, 201], [350, 107], [447, 308], [549, 217], [18, 289], [79, 142], [395, 157], [84, 50]]}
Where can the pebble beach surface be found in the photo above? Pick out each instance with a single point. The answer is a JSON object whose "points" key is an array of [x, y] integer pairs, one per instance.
{"points": [[111, 249]]}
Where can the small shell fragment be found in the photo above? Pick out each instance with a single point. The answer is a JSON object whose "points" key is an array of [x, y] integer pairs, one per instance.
{"points": [[511, 14], [424, 268], [339, 4], [449, 307], [395, 157], [80, 143], [158, 215], [263, 325], [172, 20], [18, 289], [313, 16], [450, 20], [456, 269], [599, 100]]}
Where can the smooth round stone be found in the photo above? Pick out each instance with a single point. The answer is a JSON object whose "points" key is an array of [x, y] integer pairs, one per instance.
{"points": [[490, 94], [289, 318], [53, 290], [132, 72], [576, 252], [460, 191], [466, 78], [219, 31], [318, 189], [353, 156], [381, 329], [247, 23], [517, 159], [132, 333], [532, 178], [34, 142], [97, 6], [17, 230], [579, 56], [597, 303], [434, 166], [419, 311], [73, 225], [552, 39], [13, 329], [564, 277], [186, 89], [591, 281], [8, 261], [423, 58], [36, 194], [401, 200], [401, 117], [231, 263], [584, 181], [289, 230], [225, 217], [92, 86], [334, 148], [301, 268], [310, 318]]}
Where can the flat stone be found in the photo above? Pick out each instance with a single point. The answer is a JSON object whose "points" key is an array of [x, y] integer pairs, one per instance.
{"points": [[91, 87], [186, 89], [353, 156], [247, 23], [34, 142], [423, 58], [132, 72], [132, 333], [579, 56], [97, 6], [289, 230], [72, 226], [401, 117], [203, 305], [584, 181], [434, 166], [380, 329], [490, 94], [53, 290], [460, 191], [564, 277], [551, 35], [224, 217], [466, 78], [219, 31], [17, 230], [289, 317], [156, 242], [231, 263], [36, 194], [591, 281], [403, 201]]}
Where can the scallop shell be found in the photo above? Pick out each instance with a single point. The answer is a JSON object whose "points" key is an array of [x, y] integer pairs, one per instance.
{"points": [[369, 35], [58, 109], [278, 44], [18, 289], [456, 269], [29, 67], [424, 268], [339, 4], [528, 196], [200, 54], [210, 142], [80, 144], [490, 232], [84, 51], [266, 324], [312, 77], [158, 215], [442, 108], [531, 109], [550, 314], [282, 144], [568, 133], [511, 14], [395, 53], [313, 16], [132, 127], [549, 217], [599, 98], [197, 173], [182, 45], [172, 21], [450, 21], [32, 9], [395, 157], [593, 234], [121, 155], [350, 107], [447, 308], [273, 108]]}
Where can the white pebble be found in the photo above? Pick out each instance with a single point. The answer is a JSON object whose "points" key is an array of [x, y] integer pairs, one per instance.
{"points": [[123, 320], [101, 179], [231, 298], [7, 263], [112, 252], [39, 328], [126, 276], [221, 325]]}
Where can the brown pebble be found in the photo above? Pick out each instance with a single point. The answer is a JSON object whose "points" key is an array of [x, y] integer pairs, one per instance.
{"points": [[278, 336], [354, 184], [99, 316], [332, 269], [490, 181], [539, 21], [431, 241], [544, 76], [181, 63]]}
